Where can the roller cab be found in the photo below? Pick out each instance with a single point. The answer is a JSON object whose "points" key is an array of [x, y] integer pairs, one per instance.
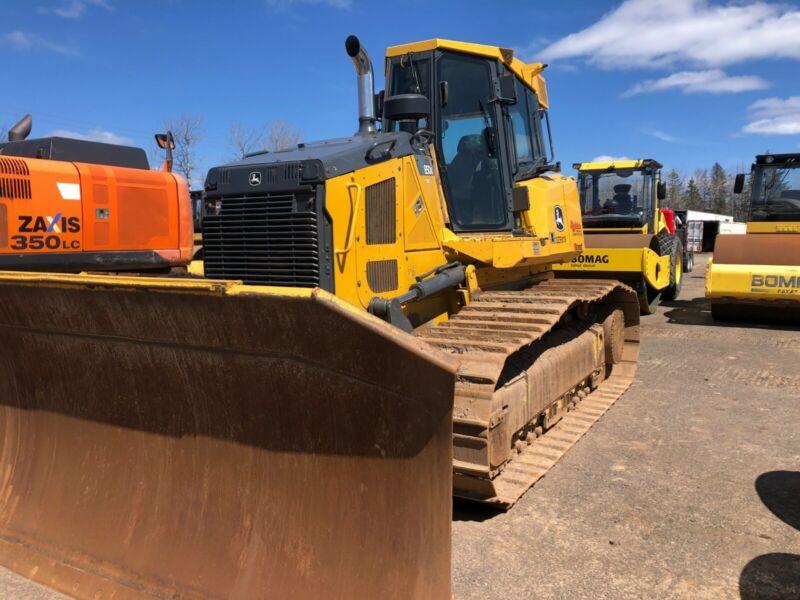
{"points": [[627, 235], [756, 275]]}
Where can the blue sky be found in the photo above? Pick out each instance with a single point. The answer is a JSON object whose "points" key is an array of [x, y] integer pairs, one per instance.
{"points": [[688, 82]]}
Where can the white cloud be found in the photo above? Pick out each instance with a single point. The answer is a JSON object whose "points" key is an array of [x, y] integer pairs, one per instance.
{"points": [[714, 81], [24, 41], [647, 33], [661, 135], [74, 9], [774, 116], [607, 158], [95, 134]]}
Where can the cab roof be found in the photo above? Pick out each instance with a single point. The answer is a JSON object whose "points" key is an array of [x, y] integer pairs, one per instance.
{"points": [[613, 165], [778, 159], [529, 73]]}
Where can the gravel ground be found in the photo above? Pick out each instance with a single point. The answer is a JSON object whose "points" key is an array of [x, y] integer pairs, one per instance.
{"points": [[689, 487]]}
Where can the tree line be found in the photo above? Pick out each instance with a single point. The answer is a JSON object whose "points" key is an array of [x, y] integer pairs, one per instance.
{"points": [[189, 130], [708, 190]]}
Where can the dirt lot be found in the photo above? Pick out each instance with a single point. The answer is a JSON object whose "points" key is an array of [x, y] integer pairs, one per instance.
{"points": [[689, 487]]}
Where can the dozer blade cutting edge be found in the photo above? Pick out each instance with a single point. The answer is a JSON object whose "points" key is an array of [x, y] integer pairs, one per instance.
{"points": [[177, 437]]}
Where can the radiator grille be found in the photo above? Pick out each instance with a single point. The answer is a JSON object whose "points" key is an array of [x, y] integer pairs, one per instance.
{"points": [[270, 240], [11, 187], [382, 275], [380, 210], [13, 166]]}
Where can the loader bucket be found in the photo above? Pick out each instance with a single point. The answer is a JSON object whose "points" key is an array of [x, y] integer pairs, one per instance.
{"points": [[200, 439]]}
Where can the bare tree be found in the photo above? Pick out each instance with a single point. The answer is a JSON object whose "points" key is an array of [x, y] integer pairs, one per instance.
{"points": [[244, 140], [3, 132], [188, 131], [281, 135], [276, 135]]}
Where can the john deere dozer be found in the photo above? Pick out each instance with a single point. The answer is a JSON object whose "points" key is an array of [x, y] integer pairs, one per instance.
{"points": [[628, 236], [378, 328], [756, 275]]}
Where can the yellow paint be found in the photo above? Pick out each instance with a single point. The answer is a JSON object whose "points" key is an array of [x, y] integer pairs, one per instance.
{"points": [[773, 227], [529, 73], [611, 165], [653, 267], [753, 282]]}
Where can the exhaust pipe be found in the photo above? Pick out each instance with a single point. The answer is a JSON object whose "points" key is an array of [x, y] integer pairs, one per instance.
{"points": [[366, 85], [21, 130]]}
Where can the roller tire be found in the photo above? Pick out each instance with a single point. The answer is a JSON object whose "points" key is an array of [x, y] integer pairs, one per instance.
{"points": [[673, 290]]}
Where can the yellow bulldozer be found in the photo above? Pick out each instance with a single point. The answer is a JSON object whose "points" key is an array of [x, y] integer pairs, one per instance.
{"points": [[377, 328], [628, 235], [756, 275]]}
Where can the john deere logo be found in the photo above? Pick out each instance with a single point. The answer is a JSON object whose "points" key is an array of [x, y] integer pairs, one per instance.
{"points": [[255, 178], [558, 213]]}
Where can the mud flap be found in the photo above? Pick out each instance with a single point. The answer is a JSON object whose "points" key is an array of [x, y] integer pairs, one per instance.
{"points": [[163, 437]]}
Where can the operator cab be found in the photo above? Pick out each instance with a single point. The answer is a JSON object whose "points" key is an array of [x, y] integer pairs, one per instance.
{"points": [[776, 188], [488, 126], [619, 195]]}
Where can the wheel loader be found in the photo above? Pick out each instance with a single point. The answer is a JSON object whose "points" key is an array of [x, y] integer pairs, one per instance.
{"points": [[756, 275], [378, 328], [628, 236]]}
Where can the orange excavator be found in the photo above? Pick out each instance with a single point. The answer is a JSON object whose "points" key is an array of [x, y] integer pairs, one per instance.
{"points": [[72, 205]]}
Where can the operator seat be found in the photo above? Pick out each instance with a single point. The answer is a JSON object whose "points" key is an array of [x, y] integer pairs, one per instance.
{"points": [[461, 174], [622, 201]]}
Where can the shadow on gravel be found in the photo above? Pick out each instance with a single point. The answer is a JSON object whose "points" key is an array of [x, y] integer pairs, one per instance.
{"points": [[780, 492], [697, 311], [773, 576], [463, 510]]}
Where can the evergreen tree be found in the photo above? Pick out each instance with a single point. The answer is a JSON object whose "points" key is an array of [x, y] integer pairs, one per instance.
{"points": [[692, 198], [718, 190], [674, 190]]}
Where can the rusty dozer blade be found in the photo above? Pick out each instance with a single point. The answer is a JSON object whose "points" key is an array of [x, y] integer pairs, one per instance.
{"points": [[200, 439], [755, 277]]}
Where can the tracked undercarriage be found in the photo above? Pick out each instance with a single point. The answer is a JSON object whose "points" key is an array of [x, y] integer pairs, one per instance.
{"points": [[539, 366]]}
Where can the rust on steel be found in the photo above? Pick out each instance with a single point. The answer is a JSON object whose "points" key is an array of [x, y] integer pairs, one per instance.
{"points": [[757, 249], [189, 442], [548, 329]]}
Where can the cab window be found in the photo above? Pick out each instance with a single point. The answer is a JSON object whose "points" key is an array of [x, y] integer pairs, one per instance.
{"points": [[468, 144]]}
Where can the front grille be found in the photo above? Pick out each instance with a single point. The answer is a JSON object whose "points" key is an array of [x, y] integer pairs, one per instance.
{"points": [[270, 239]]}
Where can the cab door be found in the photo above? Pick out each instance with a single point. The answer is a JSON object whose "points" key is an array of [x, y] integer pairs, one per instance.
{"points": [[470, 145]]}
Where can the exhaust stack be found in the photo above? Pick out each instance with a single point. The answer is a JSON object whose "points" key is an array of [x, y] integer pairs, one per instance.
{"points": [[21, 130], [366, 85]]}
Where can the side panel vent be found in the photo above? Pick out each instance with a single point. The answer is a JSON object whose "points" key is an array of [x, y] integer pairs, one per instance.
{"points": [[382, 275], [13, 166], [380, 208], [17, 189], [225, 176]]}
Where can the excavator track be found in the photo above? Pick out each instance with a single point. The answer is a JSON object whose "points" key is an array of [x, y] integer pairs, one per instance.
{"points": [[539, 367]]}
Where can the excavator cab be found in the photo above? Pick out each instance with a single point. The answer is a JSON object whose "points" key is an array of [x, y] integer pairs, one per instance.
{"points": [[756, 275]]}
